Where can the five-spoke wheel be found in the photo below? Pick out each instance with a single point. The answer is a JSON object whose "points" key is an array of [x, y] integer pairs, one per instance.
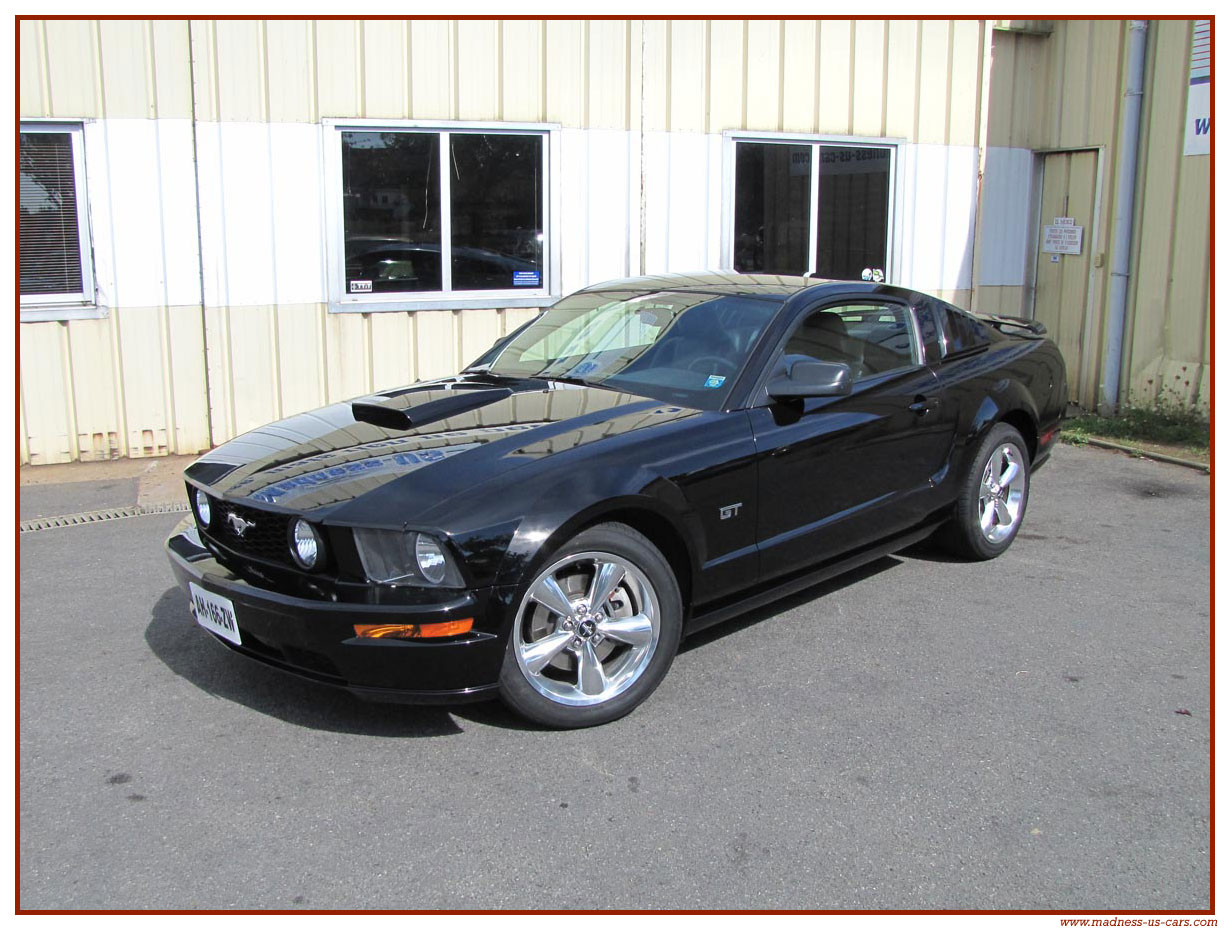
{"points": [[595, 630], [1002, 497], [991, 502]]}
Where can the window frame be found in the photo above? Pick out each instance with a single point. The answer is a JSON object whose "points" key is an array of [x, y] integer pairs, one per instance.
{"points": [[70, 304], [896, 146], [339, 301]]}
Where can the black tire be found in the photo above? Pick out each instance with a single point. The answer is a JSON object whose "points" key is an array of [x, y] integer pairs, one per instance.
{"points": [[964, 534], [647, 586]]}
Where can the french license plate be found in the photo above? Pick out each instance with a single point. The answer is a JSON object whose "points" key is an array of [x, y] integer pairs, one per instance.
{"points": [[216, 614]]}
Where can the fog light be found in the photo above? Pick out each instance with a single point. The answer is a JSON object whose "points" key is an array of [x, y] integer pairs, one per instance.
{"points": [[203, 511], [413, 630], [306, 546]]}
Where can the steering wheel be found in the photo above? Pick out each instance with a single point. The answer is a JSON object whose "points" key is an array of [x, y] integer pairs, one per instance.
{"points": [[705, 364]]}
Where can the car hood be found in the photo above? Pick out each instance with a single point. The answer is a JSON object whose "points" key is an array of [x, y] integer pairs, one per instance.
{"points": [[434, 439]]}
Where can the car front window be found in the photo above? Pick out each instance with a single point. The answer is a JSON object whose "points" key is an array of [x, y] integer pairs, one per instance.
{"points": [[670, 345]]}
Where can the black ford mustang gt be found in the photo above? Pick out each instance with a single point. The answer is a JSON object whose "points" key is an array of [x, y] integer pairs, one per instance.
{"points": [[646, 458]]}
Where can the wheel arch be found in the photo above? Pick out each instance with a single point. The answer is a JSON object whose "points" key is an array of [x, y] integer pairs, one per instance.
{"points": [[1013, 406], [660, 528], [1023, 423]]}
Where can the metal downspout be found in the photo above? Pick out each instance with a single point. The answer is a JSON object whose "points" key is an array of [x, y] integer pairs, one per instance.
{"points": [[200, 253], [1125, 204]]}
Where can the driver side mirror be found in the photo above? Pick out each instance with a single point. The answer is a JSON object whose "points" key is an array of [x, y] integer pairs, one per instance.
{"points": [[812, 379]]}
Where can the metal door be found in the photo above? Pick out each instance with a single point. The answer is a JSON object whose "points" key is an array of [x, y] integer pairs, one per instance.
{"points": [[1061, 295]]}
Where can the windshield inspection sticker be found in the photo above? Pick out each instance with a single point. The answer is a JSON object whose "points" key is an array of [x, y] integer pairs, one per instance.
{"points": [[715, 381]]}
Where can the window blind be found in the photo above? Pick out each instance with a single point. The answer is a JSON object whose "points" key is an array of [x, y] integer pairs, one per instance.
{"points": [[50, 253]]}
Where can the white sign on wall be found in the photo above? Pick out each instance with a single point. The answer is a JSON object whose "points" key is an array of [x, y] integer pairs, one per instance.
{"points": [[1063, 237], [1199, 126]]}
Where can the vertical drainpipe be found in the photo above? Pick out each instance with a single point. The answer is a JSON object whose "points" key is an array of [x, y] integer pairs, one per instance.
{"points": [[1125, 204], [200, 244]]}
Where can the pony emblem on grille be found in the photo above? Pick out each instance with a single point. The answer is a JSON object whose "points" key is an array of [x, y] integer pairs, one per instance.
{"points": [[239, 524]]}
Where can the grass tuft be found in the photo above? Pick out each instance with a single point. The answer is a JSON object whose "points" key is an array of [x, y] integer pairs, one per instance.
{"points": [[1172, 419]]}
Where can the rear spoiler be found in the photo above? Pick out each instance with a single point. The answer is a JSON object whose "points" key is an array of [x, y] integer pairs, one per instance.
{"points": [[1013, 322]]}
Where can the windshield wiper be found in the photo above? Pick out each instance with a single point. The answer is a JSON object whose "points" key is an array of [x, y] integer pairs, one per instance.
{"points": [[568, 379], [485, 373]]}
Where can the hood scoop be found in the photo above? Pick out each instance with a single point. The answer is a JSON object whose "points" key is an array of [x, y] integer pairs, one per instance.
{"points": [[405, 416]]}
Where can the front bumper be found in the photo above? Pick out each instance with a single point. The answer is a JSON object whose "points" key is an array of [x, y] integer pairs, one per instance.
{"points": [[315, 639]]}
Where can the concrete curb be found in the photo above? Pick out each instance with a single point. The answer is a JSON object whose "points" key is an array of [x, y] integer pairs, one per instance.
{"points": [[1144, 453]]}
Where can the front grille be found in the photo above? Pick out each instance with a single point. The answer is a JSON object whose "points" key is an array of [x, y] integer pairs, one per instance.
{"points": [[263, 538]]}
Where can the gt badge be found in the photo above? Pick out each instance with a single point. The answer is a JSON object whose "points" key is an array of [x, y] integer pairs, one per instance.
{"points": [[730, 510]]}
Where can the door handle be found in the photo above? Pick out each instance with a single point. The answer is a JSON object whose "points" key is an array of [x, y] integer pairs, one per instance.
{"points": [[923, 405]]}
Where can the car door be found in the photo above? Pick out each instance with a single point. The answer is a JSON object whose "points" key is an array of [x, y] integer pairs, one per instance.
{"points": [[837, 473]]}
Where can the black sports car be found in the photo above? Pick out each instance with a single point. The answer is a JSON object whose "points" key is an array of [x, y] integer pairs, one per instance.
{"points": [[644, 459]]}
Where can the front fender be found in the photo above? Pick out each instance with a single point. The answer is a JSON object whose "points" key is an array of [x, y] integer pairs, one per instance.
{"points": [[561, 511]]}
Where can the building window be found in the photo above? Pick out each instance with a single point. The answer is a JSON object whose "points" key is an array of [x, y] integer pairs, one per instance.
{"points": [[54, 252], [412, 233], [819, 207]]}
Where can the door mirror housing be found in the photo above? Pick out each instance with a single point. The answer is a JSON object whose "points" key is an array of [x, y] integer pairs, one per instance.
{"points": [[812, 379]]}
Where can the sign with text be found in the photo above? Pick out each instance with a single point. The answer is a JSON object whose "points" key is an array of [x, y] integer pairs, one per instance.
{"points": [[1062, 238]]}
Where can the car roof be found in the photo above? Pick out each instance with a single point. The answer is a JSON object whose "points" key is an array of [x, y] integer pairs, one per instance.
{"points": [[732, 283]]}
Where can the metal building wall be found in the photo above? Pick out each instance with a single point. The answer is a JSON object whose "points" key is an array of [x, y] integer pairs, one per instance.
{"points": [[197, 346], [1058, 86]]}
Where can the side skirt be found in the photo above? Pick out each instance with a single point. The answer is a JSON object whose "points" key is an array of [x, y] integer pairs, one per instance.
{"points": [[724, 611]]}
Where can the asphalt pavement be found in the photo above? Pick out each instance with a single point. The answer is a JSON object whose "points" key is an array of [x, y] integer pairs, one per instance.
{"points": [[1029, 733]]}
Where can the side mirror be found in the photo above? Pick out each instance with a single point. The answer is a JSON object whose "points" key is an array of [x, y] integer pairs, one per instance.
{"points": [[812, 379]]}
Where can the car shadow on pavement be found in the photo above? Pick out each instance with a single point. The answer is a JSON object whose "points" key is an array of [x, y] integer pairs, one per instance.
{"points": [[752, 617], [932, 550], [189, 652]]}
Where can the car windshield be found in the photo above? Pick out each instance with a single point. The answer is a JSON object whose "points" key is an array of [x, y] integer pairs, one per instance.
{"points": [[670, 345]]}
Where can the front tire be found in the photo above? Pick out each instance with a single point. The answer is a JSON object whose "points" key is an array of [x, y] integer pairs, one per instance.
{"points": [[595, 632], [993, 496]]}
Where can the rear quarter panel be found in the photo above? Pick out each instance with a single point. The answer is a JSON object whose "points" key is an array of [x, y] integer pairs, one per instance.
{"points": [[1014, 375]]}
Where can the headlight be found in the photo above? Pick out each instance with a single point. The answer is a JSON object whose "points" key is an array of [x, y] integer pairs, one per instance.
{"points": [[306, 545], [393, 556], [430, 558], [203, 513]]}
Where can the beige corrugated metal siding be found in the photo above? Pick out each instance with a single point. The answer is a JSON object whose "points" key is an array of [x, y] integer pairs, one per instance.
{"points": [[175, 376], [1062, 89]]}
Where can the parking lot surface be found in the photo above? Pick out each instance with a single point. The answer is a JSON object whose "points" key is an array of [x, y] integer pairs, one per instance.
{"points": [[1031, 733]]}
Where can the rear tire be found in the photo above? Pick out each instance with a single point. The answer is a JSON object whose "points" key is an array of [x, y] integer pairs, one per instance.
{"points": [[992, 497], [571, 663]]}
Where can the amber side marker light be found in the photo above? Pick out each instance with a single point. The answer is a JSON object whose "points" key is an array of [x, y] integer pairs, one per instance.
{"points": [[413, 630]]}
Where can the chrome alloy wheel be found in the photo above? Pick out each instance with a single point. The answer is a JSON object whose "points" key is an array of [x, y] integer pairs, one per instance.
{"points": [[1002, 494], [586, 628]]}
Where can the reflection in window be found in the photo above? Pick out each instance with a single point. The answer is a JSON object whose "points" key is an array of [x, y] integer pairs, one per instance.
{"points": [[391, 211], [772, 190], [394, 195], [496, 193], [852, 209]]}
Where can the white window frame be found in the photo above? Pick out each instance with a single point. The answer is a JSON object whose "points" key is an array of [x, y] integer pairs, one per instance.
{"points": [[73, 304], [895, 146], [335, 258]]}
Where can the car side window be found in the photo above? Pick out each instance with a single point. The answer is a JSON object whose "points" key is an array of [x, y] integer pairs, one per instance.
{"points": [[871, 339], [962, 331]]}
